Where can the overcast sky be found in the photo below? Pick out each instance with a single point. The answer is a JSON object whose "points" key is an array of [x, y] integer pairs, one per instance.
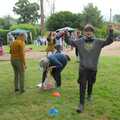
{"points": [[74, 6]]}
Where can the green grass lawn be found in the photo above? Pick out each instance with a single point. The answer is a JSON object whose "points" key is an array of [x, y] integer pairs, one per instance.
{"points": [[34, 104], [34, 48], [37, 48]]}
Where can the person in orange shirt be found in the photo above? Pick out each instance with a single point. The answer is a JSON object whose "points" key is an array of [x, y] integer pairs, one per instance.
{"points": [[18, 61]]}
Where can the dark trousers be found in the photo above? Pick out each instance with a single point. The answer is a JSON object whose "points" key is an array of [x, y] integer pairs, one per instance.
{"points": [[87, 78], [56, 74], [76, 52]]}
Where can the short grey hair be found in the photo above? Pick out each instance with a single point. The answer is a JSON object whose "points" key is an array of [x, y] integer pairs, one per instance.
{"points": [[44, 63], [89, 27]]}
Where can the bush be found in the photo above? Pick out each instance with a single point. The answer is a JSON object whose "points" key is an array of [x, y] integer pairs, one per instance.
{"points": [[3, 34], [29, 27], [101, 32], [37, 27]]}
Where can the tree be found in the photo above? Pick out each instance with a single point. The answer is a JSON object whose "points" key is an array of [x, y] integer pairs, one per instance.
{"points": [[116, 18], [29, 27], [42, 16], [92, 15], [1, 23], [28, 11], [101, 32], [78, 21], [59, 20], [6, 22]]}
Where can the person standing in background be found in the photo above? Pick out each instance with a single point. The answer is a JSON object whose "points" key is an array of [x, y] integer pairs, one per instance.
{"points": [[11, 38], [59, 42], [1, 46], [51, 43]]}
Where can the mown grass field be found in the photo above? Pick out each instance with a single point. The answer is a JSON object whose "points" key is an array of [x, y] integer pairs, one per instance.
{"points": [[34, 48], [34, 104]]}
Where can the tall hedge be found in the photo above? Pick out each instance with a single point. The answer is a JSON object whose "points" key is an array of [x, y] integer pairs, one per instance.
{"points": [[29, 27], [3, 34]]}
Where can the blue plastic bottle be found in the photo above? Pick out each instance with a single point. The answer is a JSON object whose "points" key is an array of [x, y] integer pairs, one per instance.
{"points": [[53, 112]]}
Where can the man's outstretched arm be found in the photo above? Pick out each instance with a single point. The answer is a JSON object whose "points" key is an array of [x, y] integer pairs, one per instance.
{"points": [[110, 37], [69, 40]]}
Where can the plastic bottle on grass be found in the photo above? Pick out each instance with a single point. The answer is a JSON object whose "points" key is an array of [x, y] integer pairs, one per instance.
{"points": [[53, 112]]}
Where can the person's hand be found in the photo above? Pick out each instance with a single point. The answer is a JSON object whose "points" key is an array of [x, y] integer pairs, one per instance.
{"points": [[50, 68], [62, 33]]}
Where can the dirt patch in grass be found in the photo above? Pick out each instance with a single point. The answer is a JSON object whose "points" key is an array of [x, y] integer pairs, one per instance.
{"points": [[111, 50]]}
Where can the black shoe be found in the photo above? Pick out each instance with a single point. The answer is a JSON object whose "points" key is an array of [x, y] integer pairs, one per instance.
{"points": [[80, 108], [16, 90]]}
